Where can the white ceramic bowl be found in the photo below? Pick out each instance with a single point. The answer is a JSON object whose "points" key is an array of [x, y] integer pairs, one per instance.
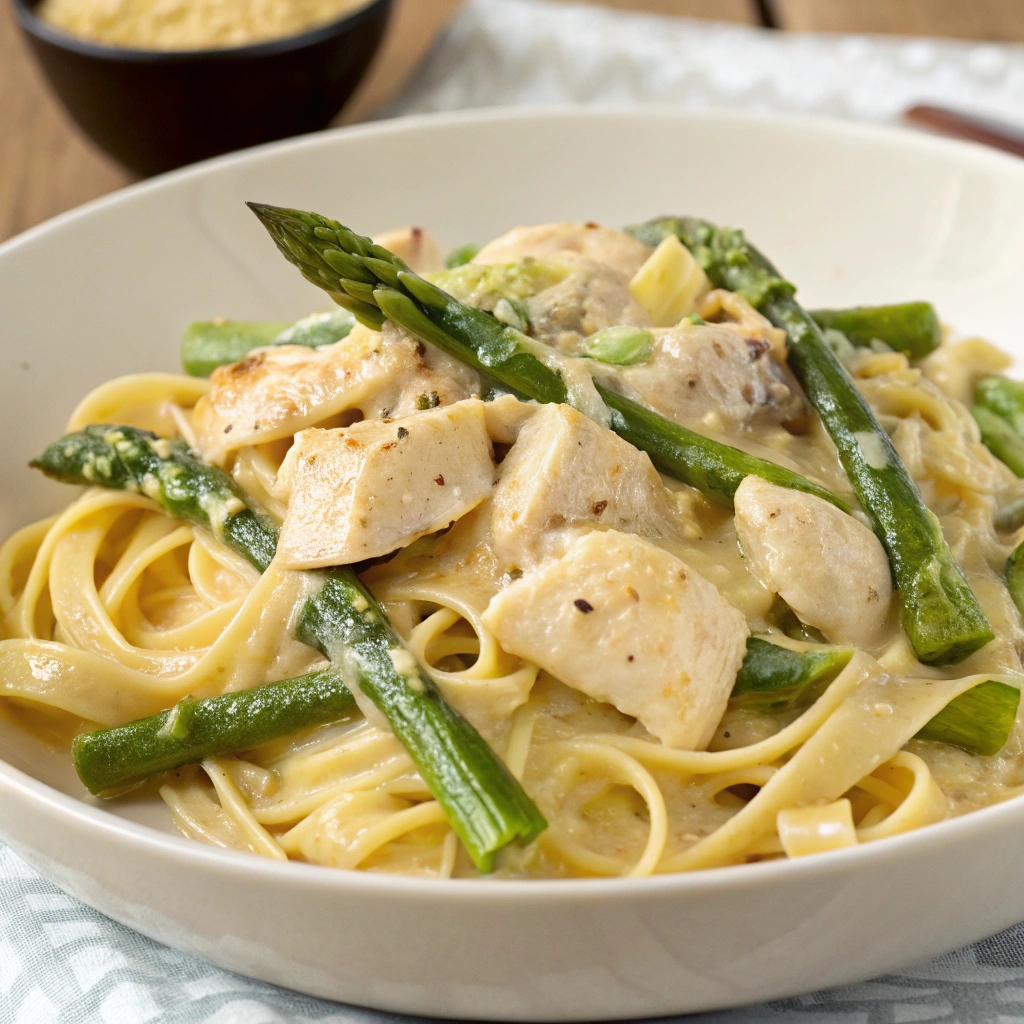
{"points": [[854, 214]]}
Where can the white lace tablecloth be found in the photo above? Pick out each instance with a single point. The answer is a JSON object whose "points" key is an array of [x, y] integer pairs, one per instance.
{"points": [[63, 963]]}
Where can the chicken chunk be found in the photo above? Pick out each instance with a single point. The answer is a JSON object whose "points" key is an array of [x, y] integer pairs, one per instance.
{"points": [[363, 491], [615, 249], [704, 374], [627, 623], [565, 471], [591, 297], [829, 568], [505, 416], [274, 392], [416, 247], [558, 300]]}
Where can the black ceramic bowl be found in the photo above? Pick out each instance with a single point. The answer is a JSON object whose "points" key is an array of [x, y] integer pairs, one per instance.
{"points": [[157, 109]]}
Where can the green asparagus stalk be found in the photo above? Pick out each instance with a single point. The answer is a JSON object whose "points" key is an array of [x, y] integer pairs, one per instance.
{"points": [[693, 458], [1005, 398], [129, 459], [485, 805], [373, 283], [192, 730], [1000, 438], [207, 344], [978, 721], [211, 343], [771, 678], [909, 327], [774, 678], [940, 613]]}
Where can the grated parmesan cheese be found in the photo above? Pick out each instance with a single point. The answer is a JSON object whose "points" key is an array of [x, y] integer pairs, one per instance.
{"points": [[190, 24]]}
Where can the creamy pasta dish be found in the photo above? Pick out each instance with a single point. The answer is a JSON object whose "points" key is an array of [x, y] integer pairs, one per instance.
{"points": [[587, 553]]}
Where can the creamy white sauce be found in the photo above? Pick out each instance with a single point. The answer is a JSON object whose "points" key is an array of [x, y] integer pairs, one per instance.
{"points": [[576, 374]]}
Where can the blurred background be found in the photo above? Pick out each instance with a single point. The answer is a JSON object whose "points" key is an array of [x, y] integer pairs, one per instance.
{"points": [[868, 59]]}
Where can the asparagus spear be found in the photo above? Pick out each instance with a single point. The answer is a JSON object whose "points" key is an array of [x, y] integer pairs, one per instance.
{"points": [[999, 413], [978, 721], [693, 458], [373, 283], [129, 459], [1005, 398], [910, 327], [775, 677], [940, 613], [770, 678], [192, 730], [209, 344], [1000, 438], [485, 805]]}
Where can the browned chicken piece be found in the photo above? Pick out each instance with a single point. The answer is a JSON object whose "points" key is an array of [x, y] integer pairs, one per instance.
{"points": [[275, 392], [591, 297], [829, 568], [565, 297], [565, 472], [623, 621], [505, 416], [366, 490], [615, 249], [713, 377]]}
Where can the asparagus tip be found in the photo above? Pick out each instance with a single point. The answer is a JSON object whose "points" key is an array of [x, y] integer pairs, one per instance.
{"points": [[263, 210], [273, 218]]}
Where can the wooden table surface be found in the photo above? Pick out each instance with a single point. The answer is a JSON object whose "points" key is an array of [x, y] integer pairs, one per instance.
{"points": [[47, 166]]}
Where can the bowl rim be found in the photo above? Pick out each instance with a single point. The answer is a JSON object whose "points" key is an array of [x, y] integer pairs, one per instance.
{"points": [[37, 27], [88, 813]]}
